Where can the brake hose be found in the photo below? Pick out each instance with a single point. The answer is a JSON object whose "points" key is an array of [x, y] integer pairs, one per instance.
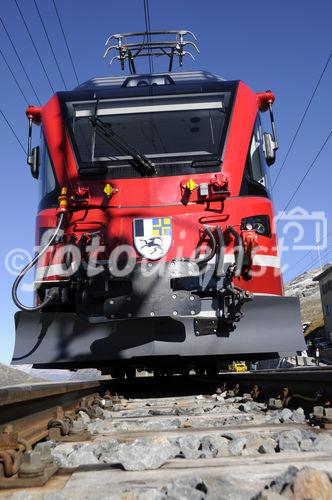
{"points": [[29, 266], [221, 255], [239, 250], [209, 256]]}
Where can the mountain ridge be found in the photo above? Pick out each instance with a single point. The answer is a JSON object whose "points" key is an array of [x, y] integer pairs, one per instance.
{"points": [[307, 291]]}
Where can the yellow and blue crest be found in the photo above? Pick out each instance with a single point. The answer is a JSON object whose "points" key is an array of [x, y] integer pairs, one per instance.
{"points": [[153, 237]]}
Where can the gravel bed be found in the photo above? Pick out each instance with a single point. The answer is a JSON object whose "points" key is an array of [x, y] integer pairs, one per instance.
{"points": [[12, 376], [148, 453], [293, 484]]}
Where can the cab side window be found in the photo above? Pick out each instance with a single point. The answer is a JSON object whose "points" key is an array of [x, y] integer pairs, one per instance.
{"points": [[48, 186], [256, 168], [256, 180]]}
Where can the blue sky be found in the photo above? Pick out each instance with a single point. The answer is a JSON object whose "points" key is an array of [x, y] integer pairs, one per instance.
{"points": [[281, 46]]}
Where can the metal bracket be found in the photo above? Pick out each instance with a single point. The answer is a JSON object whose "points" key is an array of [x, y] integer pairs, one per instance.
{"points": [[322, 417], [54, 434], [24, 482], [205, 326], [177, 303], [33, 468]]}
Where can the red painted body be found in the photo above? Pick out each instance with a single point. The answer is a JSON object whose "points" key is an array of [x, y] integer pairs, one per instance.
{"points": [[163, 196]]}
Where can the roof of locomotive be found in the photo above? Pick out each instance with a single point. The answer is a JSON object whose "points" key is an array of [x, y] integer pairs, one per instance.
{"points": [[111, 82], [148, 84]]}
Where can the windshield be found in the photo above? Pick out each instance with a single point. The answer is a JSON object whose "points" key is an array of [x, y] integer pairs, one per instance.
{"points": [[165, 129]]}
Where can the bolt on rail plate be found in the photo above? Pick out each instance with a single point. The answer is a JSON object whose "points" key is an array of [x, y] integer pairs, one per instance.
{"points": [[24, 482]]}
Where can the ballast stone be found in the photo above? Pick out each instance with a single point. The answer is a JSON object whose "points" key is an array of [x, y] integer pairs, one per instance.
{"points": [[237, 446], [190, 488], [189, 446], [268, 446], [82, 454], [60, 454], [214, 446], [107, 451], [307, 483], [298, 416], [246, 407], [144, 454], [279, 483], [156, 425], [306, 445], [222, 489], [323, 443], [98, 426], [285, 415], [312, 483], [84, 457], [290, 440], [251, 406], [84, 416]]}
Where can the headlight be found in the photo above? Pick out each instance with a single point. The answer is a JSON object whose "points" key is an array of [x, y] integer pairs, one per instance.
{"points": [[258, 223]]}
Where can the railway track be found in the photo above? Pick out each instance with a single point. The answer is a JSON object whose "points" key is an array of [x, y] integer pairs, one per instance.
{"points": [[169, 437]]}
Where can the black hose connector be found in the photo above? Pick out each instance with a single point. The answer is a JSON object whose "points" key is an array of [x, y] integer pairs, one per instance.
{"points": [[239, 253], [49, 297], [221, 254], [209, 256]]}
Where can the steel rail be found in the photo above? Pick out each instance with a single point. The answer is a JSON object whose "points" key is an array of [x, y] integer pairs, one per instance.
{"points": [[28, 409], [26, 392], [306, 380], [32, 412]]}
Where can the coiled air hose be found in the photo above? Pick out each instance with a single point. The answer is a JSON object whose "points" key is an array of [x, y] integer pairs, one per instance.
{"points": [[209, 256], [239, 254], [27, 268]]}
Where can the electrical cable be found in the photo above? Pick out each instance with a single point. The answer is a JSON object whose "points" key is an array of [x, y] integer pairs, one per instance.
{"points": [[13, 131], [148, 29], [317, 260], [312, 164], [149, 24], [50, 44], [35, 47], [51, 296], [302, 119], [20, 61], [308, 253], [65, 39], [14, 77]]}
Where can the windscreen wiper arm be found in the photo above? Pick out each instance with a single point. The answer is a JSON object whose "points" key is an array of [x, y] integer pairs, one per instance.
{"points": [[145, 166]]}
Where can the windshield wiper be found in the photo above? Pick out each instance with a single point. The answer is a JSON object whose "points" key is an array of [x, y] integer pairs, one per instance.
{"points": [[145, 166]]}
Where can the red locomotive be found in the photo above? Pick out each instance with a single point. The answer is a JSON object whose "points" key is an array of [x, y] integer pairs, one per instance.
{"points": [[156, 226]]}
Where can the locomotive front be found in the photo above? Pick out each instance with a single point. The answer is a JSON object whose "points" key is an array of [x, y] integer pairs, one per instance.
{"points": [[165, 251]]}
